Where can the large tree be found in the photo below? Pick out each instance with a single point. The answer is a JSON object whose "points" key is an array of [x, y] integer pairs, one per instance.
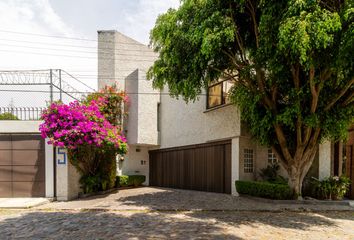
{"points": [[291, 61]]}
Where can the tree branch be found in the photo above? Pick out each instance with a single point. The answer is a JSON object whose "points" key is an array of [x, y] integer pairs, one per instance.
{"points": [[314, 92], [253, 16], [283, 143], [338, 96], [349, 99], [295, 70]]}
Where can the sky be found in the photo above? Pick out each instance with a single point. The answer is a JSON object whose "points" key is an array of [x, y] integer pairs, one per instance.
{"points": [[26, 25]]}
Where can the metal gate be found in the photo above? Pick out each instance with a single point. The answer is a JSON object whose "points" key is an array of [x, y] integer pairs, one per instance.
{"points": [[22, 165], [203, 167]]}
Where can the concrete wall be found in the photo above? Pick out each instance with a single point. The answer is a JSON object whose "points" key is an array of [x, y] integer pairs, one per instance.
{"points": [[141, 123], [185, 124], [136, 162], [67, 177], [18, 126], [119, 56]]}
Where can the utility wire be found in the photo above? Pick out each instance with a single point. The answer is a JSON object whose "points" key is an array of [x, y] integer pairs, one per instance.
{"points": [[87, 52], [73, 56], [81, 92], [64, 37], [77, 46]]}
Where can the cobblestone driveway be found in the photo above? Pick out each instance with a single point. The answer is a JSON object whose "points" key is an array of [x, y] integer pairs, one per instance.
{"points": [[88, 225], [157, 213], [149, 198]]}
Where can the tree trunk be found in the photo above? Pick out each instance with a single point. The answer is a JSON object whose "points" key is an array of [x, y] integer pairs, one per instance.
{"points": [[295, 181], [298, 170]]}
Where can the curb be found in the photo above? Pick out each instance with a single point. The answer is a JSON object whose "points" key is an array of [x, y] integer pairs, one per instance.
{"points": [[349, 203]]}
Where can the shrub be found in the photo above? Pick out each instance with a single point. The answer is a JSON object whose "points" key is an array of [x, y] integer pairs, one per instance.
{"points": [[136, 180], [271, 174], [130, 180], [331, 188], [8, 116], [264, 189], [122, 181]]}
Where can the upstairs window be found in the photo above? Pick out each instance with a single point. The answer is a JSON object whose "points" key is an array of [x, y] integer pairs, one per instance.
{"points": [[218, 93]]}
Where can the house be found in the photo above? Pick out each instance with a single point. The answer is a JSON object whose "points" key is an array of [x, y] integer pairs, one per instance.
{"points": [[202, 145]]}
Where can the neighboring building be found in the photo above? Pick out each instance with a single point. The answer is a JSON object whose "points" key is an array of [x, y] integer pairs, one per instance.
{"points": [[201, 145], [29, 166], [26, 161]]}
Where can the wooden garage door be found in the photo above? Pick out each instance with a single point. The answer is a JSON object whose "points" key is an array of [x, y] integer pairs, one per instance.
{"points": [[22, 170], [203, 167]]}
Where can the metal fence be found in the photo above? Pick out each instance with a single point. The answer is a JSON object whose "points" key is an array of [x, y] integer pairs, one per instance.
{"points": [[21, 113]]}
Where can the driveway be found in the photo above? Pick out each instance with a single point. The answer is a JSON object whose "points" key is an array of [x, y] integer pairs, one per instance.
{"points": [[150, 198], [158, 213]]}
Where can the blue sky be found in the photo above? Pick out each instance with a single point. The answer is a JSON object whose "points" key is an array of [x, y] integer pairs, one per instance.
{"points": [[72, 19]]}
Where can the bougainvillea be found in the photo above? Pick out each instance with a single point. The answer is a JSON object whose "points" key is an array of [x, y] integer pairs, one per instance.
{"points": [[91, 131], [79, 124], [111, 102]]}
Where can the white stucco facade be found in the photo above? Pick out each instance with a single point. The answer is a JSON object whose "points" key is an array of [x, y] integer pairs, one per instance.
{"points": [[189, 123], [158, 121]]}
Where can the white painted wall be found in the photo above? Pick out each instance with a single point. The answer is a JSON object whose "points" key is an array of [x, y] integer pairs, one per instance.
{"points": [[18, 126], [49, 170], [235, 163], [67, 177], [324, 167], [132, 164], [141, 123], [119, 56], [185, 124]]}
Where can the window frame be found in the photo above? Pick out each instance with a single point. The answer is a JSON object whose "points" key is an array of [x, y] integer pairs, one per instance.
{"points": [[248, 154], [271, 157], [223, 98]]}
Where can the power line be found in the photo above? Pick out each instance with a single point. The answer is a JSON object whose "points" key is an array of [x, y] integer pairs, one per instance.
{"points": [[88, 52], [74, 56], [64, 37], [77, 46], [81, 92]]}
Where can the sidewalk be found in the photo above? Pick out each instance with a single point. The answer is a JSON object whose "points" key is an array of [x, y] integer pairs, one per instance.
{"points": [[22, 202]]}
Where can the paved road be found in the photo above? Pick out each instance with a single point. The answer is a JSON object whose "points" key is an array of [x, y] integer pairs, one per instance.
{"points": [[57, 224]]}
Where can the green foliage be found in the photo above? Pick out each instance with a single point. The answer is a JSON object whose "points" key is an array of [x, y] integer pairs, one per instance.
{"points": [[97, 167], [130, 180], [122, 181], [271, 174], [331, 188], [264, 189], [136, 180], [8, 116], [291, 61]]}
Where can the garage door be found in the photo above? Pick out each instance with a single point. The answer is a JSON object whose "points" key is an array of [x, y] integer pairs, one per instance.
{"points": [[203, 167], [22, 170]]}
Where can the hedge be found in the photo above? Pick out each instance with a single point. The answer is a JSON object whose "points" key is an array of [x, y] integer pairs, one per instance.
{"points": [[130, 180], [264, 189]]}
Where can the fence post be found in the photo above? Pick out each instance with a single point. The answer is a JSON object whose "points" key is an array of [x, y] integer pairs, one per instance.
{"points": [[51, 85], [60, 91]]}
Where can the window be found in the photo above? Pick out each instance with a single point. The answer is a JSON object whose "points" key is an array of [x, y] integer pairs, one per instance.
{"points": [[271, 157], [218, 93], [248, 160]]}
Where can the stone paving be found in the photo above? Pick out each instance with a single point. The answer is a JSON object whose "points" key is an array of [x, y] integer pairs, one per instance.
{"points": [[73, 224], [159, 213], [149, 198]]}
